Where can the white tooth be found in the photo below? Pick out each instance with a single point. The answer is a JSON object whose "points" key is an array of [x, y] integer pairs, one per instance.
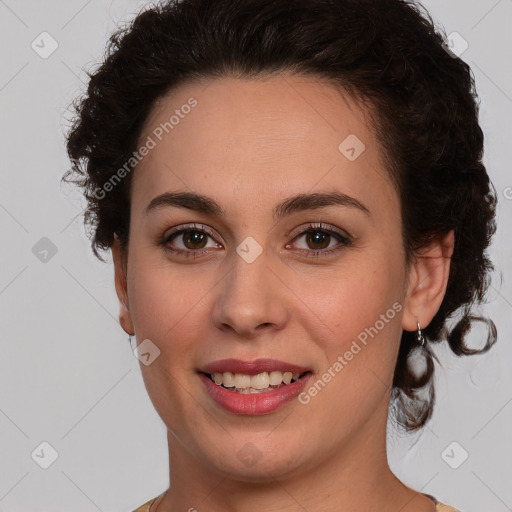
{"points": [[252, 391], [228, 380], [287, 377], [242, 381], [260, 381], [275, 378]]}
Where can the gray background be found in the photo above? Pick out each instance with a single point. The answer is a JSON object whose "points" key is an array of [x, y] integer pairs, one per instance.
{"points": [[67, 374]]}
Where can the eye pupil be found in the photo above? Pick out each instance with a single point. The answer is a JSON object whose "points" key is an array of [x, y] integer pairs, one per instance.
{"points": [[194, 238], [318, 237]]}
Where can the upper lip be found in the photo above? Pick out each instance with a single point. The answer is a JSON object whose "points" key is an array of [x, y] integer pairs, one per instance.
{"points": [[251, 367]]}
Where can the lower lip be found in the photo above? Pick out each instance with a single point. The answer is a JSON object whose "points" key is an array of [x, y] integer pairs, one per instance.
{"points": [[255, 403]]}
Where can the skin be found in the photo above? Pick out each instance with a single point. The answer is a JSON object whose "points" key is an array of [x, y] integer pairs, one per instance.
{"points": [[249, 145]]}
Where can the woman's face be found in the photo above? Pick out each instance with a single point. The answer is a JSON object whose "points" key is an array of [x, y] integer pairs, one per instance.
{"points": [[268, 160]]}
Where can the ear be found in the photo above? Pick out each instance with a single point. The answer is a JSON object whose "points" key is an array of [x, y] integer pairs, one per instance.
{"points": [[428, 279], [120, 269]]}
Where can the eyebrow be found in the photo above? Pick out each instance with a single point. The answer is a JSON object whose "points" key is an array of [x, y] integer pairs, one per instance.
{"points": [[297, 203]]}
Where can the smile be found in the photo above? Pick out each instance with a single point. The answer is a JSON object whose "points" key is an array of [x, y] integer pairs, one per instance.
{"points": [[253, 387]]}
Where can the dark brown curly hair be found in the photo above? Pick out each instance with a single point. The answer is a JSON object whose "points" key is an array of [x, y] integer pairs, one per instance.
{"points": [[388, 54]]}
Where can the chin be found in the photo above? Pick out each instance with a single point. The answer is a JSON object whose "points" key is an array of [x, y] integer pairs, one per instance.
{"points": [[256, 461]]}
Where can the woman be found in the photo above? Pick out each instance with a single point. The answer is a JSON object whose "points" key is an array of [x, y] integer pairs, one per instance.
{"points": [[290, 194]]}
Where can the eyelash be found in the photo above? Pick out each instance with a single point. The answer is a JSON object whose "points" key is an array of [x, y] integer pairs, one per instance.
{"points": [[344, 240]]}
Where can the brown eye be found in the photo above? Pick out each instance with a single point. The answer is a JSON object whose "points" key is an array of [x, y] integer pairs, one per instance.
{"points": [[194, 239], [317, 239], [190, 241]]}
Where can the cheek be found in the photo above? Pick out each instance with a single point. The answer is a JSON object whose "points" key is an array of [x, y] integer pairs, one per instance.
{"points": [[354, 295], [359, 351], [362, 316], [163, 298], [169, 308]]}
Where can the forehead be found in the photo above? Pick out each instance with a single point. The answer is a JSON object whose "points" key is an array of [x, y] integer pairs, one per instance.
{"points": [[260, 138]]}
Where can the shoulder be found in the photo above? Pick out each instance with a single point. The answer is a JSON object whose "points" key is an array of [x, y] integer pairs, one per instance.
{"points": [[145, 507], [441, 507]]}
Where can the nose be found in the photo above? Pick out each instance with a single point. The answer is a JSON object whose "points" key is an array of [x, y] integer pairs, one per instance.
{"points": [[251, 299]]}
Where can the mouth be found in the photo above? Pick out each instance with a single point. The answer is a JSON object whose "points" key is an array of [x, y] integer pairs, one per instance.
{"points": [[253, 387]]}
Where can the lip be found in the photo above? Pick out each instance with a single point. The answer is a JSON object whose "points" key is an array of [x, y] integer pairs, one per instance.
{"points": [[257, 403], [251, 367]]}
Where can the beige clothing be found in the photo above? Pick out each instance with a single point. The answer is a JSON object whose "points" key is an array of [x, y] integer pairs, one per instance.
{"points": [[440, 507]]}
